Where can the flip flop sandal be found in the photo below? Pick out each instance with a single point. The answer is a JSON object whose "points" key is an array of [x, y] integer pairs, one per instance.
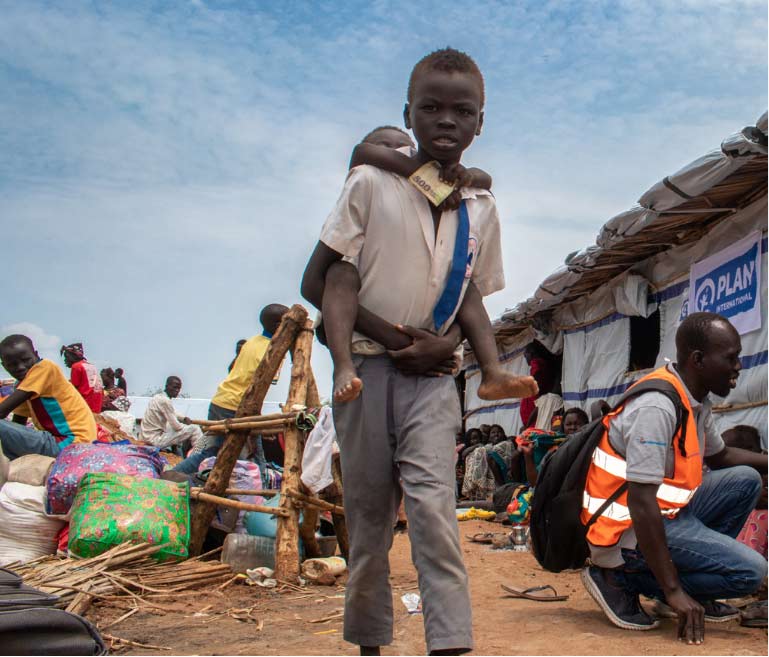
{"points": [[482, 537], [754, 615], [528, 594], [502, 542]]}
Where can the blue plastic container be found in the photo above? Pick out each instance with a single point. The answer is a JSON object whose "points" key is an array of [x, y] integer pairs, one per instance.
{"points": [[262, 524]]}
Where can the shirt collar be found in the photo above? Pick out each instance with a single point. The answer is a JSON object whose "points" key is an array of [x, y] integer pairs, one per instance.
{"points": [[692, 401], [267, 334]]}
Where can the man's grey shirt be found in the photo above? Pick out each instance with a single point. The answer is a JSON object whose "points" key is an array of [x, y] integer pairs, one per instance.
{"points": [[643, 434]]}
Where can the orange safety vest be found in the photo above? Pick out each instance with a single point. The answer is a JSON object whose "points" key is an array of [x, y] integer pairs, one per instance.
{"points": [[608, 470]]}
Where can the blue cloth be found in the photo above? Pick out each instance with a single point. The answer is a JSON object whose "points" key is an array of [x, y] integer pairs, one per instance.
{"points": [[448, 301], [18, 440], [711, 564]]}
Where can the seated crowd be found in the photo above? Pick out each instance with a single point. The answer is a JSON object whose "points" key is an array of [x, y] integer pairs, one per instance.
{"points": [[49, 412], [487, 458], [491, 463], [680, 520]]}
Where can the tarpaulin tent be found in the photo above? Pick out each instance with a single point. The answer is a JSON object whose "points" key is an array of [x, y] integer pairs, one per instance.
{"points": [[640, 264]]}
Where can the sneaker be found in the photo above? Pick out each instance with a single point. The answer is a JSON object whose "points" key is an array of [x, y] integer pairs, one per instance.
{"points": [[620, 606], [754, 615], [715, 612]]}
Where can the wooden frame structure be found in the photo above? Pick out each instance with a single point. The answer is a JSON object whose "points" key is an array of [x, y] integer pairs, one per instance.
{"points": [[295, 335]]}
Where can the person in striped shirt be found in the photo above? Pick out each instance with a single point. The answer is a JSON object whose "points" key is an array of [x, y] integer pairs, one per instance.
{"points": [[60, 414]]}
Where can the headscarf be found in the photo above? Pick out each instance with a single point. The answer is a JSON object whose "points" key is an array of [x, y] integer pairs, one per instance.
{"points": [[75, 349]]}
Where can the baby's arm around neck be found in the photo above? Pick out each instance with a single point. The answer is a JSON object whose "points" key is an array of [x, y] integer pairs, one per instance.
{"points": [[385, 158]]}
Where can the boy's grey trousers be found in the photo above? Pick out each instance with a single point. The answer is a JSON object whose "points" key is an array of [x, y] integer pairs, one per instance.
{"points": [[402, 427]]}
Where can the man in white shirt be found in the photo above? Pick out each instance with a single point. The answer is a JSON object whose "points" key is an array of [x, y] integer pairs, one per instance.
{"points": [[162, 427]]}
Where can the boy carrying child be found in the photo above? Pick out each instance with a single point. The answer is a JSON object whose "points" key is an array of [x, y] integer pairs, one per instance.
{"points": [[402, 419], [391, 149]]}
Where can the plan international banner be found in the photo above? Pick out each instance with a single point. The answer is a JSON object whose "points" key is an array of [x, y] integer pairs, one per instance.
{"points": [[729, 283]]}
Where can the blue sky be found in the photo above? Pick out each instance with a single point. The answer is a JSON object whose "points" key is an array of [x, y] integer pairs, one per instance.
{"points": [[166, 166]]}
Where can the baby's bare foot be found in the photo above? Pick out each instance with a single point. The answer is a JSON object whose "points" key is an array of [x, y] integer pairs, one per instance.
{"points": [[502, 385], [347, 385]]}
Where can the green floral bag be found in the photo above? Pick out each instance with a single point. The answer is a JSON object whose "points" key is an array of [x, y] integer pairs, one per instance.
{"points": [[110, 509]]}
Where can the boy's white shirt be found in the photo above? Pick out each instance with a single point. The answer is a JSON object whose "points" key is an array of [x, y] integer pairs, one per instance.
{"points": [[383, 225]]}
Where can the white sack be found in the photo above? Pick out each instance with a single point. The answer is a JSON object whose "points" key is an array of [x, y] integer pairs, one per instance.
{"points": [[26, 533], [30, 469], [126, 421]]}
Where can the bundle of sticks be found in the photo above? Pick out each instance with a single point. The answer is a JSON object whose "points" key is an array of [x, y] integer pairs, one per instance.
{"points": [[125, 571]]}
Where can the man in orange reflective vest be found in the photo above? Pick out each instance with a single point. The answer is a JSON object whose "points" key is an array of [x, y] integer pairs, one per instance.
{"points": [[671, 534]]}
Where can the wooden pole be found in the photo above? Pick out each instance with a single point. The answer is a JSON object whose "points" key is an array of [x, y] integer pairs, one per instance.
{"points": [[247, 427], [307, 531], [251, 404], [313, 398], [287, 536], [247, 418], [310, 515], [340, 524], [236, 504], [267, 492], [314, 501], [727, 408]]}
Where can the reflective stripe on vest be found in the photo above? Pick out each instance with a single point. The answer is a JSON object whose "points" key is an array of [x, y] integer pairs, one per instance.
{"points": [[617, 467], [608, 471], [615, 511], [675, 495]]}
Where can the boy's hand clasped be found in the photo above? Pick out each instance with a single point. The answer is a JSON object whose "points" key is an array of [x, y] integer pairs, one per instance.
{"points": [[427, 354]]}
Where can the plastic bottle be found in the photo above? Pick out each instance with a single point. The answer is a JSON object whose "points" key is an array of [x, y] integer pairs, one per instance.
{"points": [[243, 552]]}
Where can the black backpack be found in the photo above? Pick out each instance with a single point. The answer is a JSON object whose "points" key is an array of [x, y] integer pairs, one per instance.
{"points": [[557, 533], [30, 625], [48, 631]]}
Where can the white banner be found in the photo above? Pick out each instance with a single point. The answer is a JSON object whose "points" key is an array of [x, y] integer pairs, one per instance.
{"points": [[729, 283]]}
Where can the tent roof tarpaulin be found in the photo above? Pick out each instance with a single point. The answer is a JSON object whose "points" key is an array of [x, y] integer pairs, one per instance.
{"points": [[679, 209]]}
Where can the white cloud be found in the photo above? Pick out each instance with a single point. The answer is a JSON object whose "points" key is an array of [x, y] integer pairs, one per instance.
{"points": [[167, 170], [46, 344]]}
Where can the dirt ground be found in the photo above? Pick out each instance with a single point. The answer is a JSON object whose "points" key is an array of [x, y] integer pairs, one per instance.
{"points": [[310, 623]]}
